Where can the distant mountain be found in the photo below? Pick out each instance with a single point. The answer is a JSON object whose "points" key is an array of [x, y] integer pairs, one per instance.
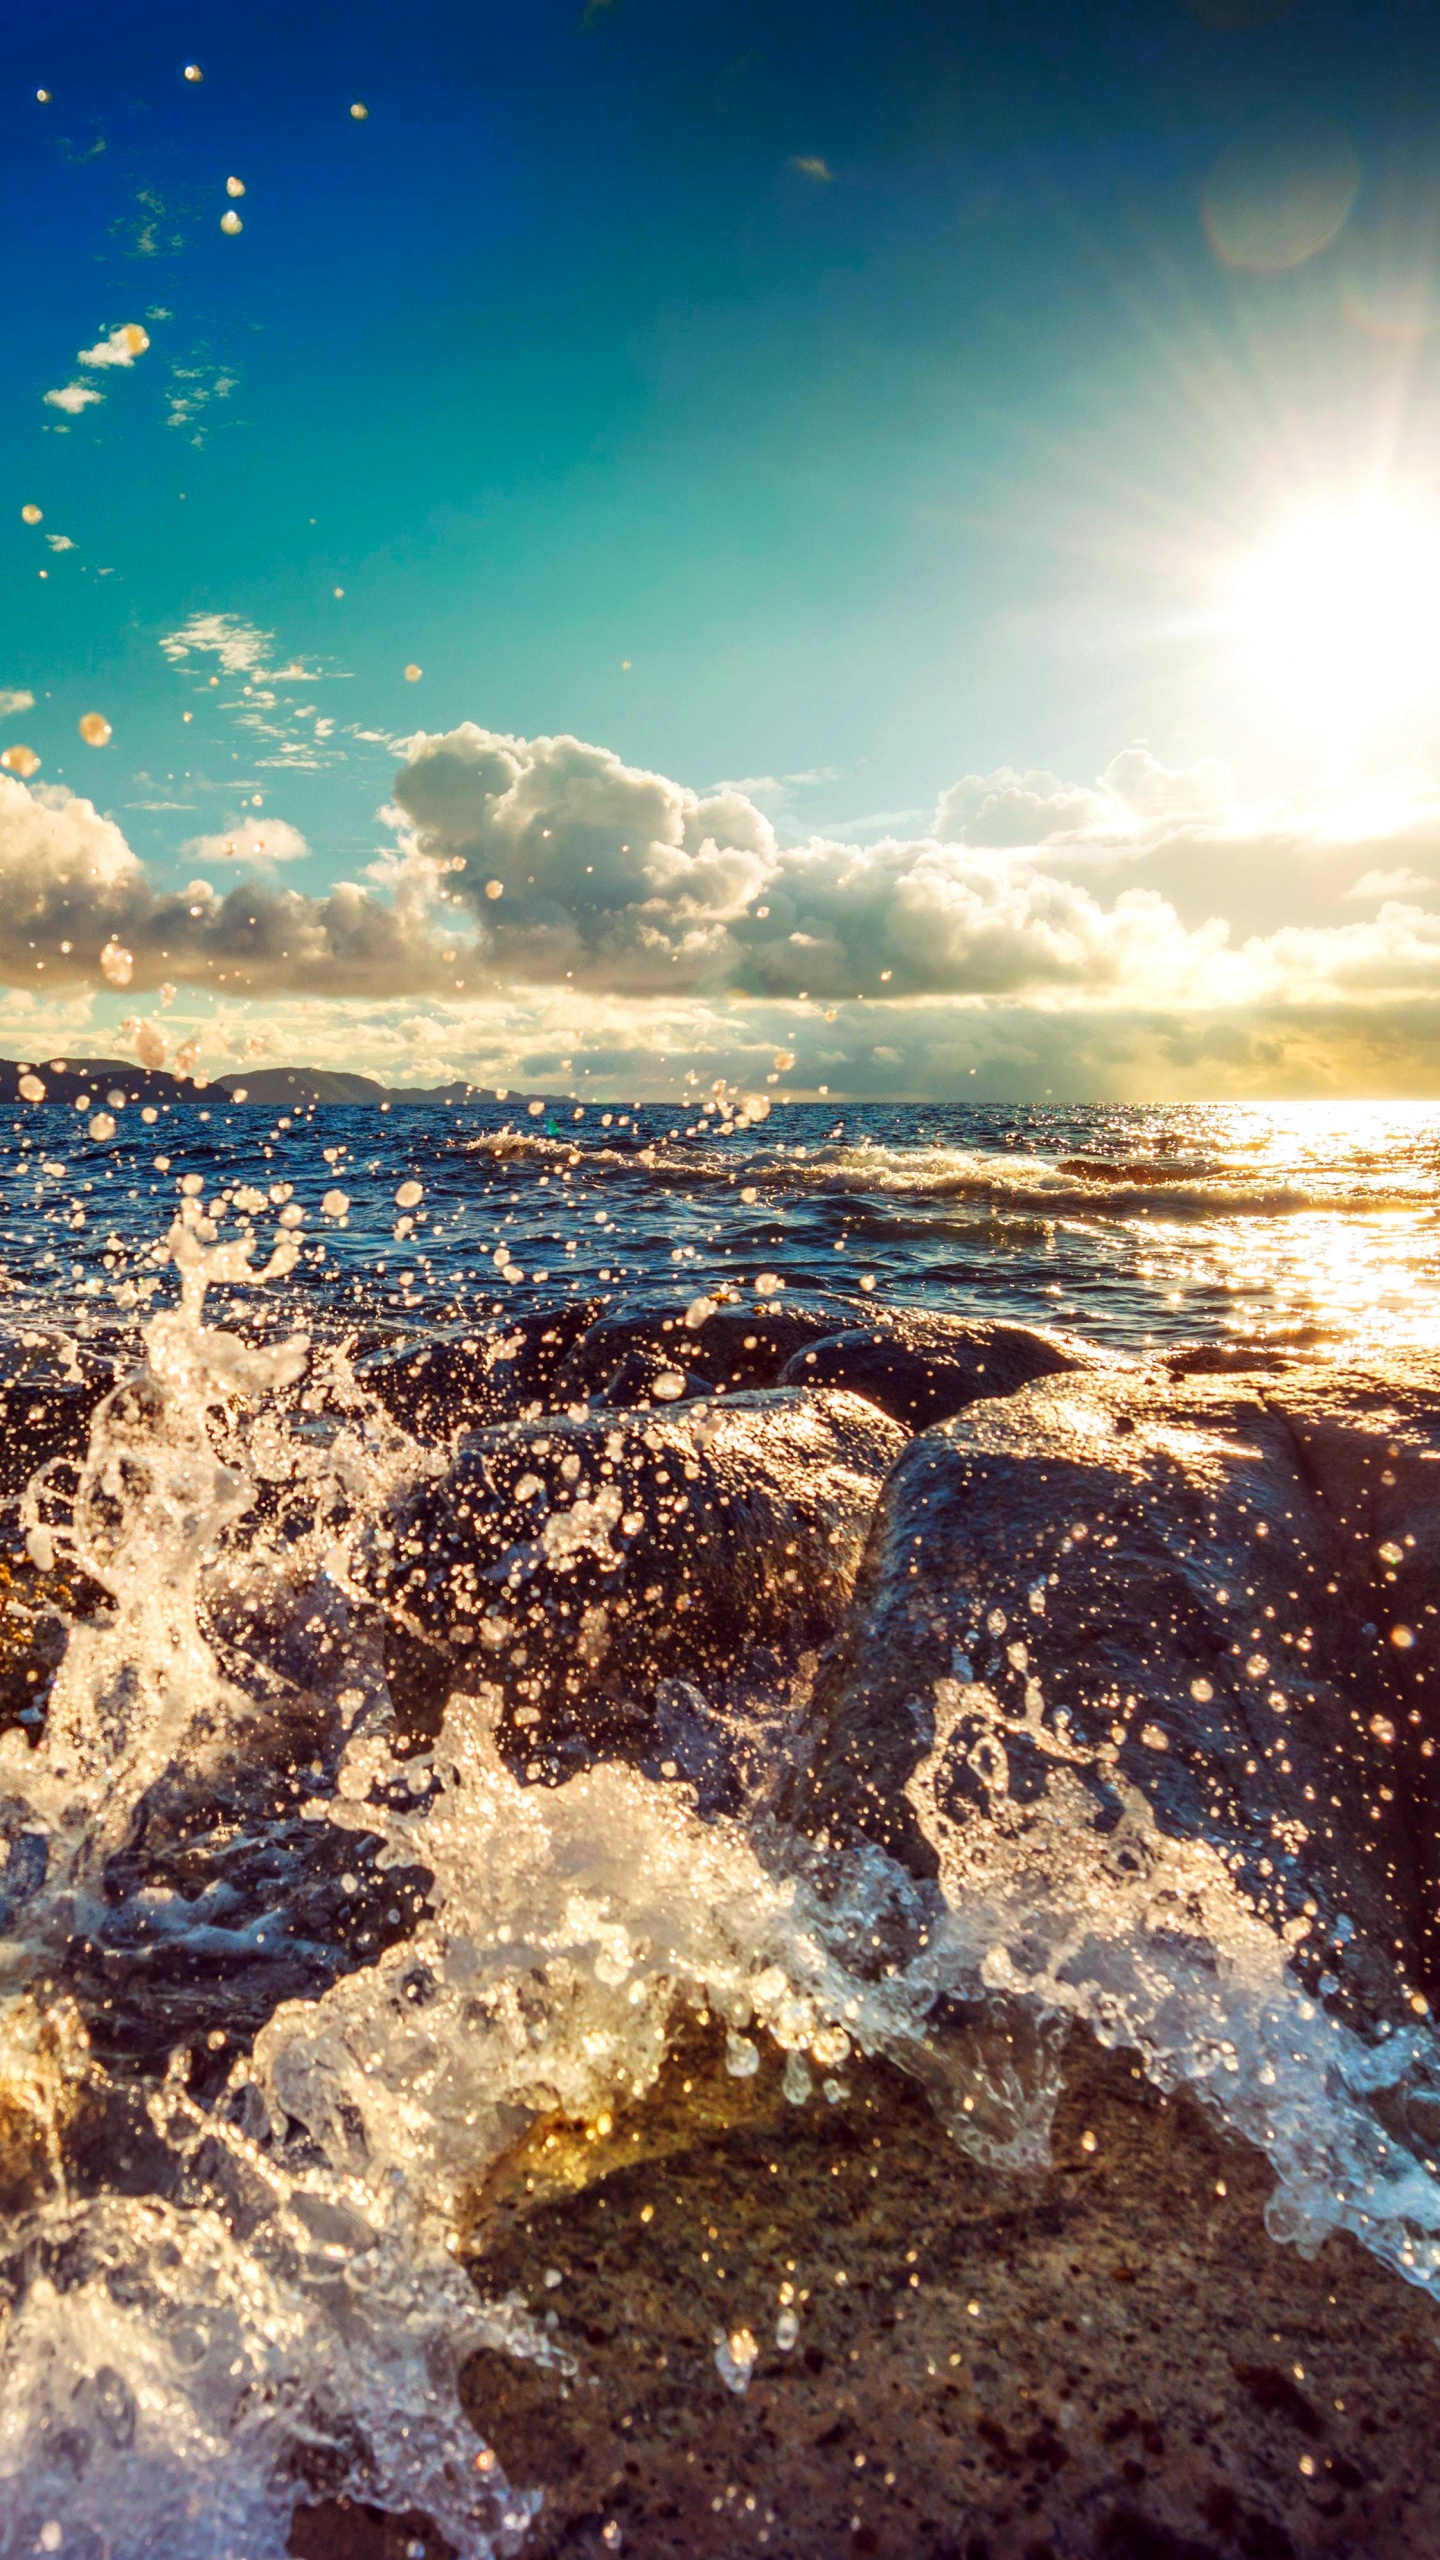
{"points": [[301, 1086], [80, 1081], [75, 1081], [288, 1086]]}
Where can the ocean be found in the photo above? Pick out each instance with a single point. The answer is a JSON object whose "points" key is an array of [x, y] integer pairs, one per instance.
{"points": [[353, 1827]]}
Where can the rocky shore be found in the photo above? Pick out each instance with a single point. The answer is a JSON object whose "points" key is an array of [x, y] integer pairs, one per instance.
{"points": [[1125, 1677], [1201, 1595]]}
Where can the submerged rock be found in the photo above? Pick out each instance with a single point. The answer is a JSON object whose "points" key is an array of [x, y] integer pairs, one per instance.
{"points": [[1219, 1595], [921, 1368], [581, 1563]]}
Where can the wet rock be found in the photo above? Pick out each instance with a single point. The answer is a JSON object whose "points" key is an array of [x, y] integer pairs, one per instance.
{"points": [[50, 1385], [346, 2529], [580, 1563], [44, 2066], [475, 1375], [921, 1368], [1221, 1591], [729, 1346], [36, 1613], [651, 1377], [982, 2362]]}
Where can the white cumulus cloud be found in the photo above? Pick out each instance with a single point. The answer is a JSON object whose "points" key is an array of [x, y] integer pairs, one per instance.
{"points": [[72, 892], [582, 869], [121, 346], [255, 839], [551, 913]]}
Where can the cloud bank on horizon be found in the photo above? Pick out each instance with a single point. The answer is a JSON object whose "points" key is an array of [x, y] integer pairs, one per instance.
{"points": [[548, 912]]}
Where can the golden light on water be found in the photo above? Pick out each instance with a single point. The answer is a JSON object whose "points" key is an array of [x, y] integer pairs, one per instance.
{"points": [[1326, 1225]]}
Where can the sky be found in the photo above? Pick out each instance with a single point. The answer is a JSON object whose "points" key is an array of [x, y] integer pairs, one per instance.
{"points": [[606, 546]]}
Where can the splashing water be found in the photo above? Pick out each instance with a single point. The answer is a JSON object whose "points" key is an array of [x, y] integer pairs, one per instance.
{"points": [[229, 2290]]}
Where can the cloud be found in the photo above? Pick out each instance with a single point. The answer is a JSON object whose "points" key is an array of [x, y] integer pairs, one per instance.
{"points": [[550, 911], [60, 541], [1389, 884], [78, 909], [239, 647], [1133, 793], [608, 1048], [121, 347], [280, 734], [73, 397], [610, 876], [810, 165], [579, 868], [13, 700], [193, 387], [254, 840]]}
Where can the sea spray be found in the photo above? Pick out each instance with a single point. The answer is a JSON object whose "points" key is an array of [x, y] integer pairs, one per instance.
{"points": [[228, 2289]]}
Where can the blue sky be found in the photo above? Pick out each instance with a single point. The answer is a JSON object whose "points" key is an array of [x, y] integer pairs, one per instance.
{"points": [[834, 400]]}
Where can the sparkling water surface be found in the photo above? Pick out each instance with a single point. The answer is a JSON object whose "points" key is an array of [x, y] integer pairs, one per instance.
{"points": [[1131, 1225]]}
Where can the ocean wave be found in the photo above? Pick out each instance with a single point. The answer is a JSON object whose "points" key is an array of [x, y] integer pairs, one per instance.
{"points": [[1022, 1186]]}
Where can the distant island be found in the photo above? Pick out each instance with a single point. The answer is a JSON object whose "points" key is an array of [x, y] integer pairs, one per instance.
{"points": [[74, 1080]]}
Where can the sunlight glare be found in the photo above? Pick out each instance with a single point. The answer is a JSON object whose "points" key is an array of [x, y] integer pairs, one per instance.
{"points": [[1341, 616]]}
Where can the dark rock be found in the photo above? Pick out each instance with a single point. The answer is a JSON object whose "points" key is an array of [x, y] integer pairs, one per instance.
{"points": [[36, 1612], [729, 1346], [649, 1377], [1124, 2535], [921, 1368], [1226, 1589], [581, 1563], [466, 1379], [50, 1386]]}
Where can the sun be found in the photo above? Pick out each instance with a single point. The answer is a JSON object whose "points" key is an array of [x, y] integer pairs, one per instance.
{"points": [[1340, 616]]}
